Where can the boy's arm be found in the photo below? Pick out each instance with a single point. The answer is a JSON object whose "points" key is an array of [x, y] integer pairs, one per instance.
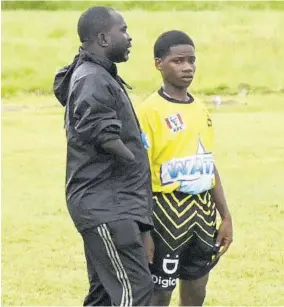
{"points": [[149, 246], [225, 231]]}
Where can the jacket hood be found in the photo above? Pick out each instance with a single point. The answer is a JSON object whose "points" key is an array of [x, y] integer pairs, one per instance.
{"points": [[63, 76], [62, 80]]}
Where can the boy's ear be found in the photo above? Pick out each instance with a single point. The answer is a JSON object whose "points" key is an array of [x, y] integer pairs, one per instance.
{"points": [[158, 63]]}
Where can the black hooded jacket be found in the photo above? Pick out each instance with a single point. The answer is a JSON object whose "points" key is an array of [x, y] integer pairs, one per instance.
{"points": [[99, 186]]}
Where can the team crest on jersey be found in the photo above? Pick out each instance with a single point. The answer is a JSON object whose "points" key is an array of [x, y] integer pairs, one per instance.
{"points": [[175, 123]]}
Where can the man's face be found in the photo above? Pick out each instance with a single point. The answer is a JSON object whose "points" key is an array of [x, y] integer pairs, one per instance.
{"points": [[178, 66], [118, 39]]}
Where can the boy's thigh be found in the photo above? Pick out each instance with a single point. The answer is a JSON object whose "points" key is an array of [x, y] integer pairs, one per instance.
{"points": [[198, 258], [190, 262]]}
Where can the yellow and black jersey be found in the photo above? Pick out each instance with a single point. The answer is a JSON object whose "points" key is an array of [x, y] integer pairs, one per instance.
{"points": [[179, 139]]}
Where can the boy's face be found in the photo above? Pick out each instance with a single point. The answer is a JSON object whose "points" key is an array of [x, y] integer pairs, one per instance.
{"points": [[178, 66]]}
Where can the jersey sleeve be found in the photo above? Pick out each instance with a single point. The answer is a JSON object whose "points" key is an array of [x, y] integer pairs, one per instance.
{"points": [[209, 125], [210, 134]]}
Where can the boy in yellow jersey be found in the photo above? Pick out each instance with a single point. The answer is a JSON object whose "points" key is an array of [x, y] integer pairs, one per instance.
{"points": [[187, 191]]}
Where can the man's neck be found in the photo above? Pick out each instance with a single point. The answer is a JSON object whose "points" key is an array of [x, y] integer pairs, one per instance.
{"points": [[174, 92], [93, 49]]}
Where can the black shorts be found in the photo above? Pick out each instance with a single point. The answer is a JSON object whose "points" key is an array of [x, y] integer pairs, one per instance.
{"points": [[184, 236]]}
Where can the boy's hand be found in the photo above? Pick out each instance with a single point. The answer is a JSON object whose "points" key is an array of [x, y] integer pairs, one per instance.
{"points": [[225, 235], [149, 246]]}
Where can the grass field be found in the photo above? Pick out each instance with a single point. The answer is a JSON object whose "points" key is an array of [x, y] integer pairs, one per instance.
{"points": [[235, 49], [42, 254]]}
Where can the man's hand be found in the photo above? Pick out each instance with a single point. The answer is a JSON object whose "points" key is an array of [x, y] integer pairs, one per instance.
{"points": [[225, 235], [149, 246], [118, 149]]}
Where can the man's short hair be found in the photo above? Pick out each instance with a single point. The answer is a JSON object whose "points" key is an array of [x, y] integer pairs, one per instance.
{"points": [[93, 21], [169, 39]]}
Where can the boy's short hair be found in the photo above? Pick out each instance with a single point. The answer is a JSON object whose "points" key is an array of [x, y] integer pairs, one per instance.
{"points": [[93, 21], [169, 39]]}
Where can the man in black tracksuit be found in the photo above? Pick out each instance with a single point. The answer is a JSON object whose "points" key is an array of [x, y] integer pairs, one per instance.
{"points": [[108, 186]]}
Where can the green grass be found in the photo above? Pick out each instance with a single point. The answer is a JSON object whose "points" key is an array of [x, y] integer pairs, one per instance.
{"points": [[235, 49], [147, 5], [42, 254]]}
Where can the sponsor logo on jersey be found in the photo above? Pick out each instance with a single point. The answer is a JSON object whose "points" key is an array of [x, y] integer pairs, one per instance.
{"points": [[195, 173], [164, 282], [170, 266], [175, 123], [209, 121]]}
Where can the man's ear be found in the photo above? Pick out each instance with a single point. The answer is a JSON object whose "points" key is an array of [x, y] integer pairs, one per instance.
{"points": [[103, 39], [158, 64]]}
